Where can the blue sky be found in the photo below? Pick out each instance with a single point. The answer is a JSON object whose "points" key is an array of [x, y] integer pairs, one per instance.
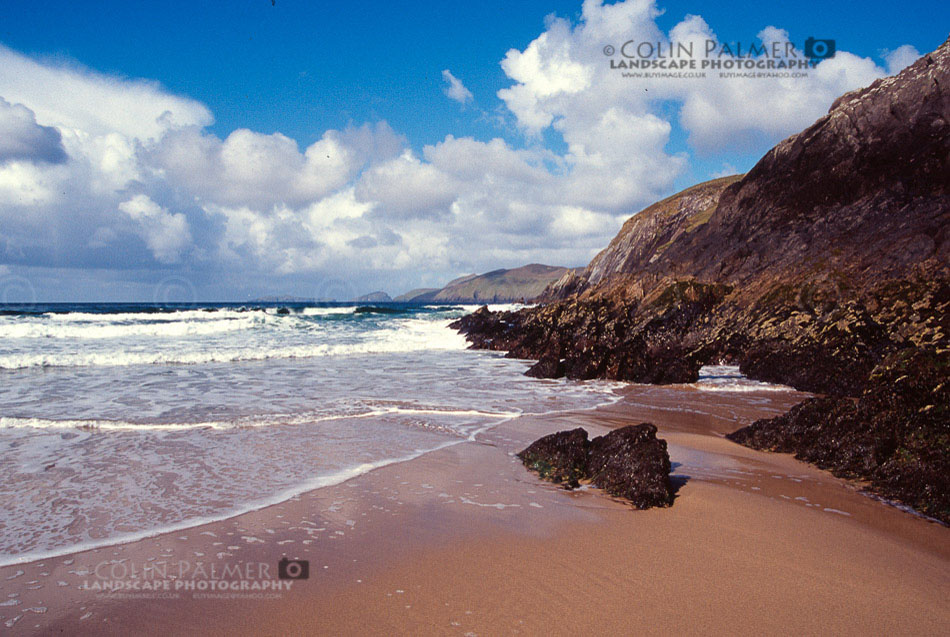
{"points": [[302, 69]]}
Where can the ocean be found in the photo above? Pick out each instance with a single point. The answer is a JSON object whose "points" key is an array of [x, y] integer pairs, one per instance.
{"points": [[123, 421]]}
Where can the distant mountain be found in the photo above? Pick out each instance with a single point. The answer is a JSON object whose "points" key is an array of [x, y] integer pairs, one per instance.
{"points": [[284, 299], [374, 297], [412, 294], [498, 286]]}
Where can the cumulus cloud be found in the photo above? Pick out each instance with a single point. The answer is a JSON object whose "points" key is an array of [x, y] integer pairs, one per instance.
{"points": [[21, 138], [900, 58], [564, 81], [455, 90], [252, 168], [167, 235], [728, 112], [264, 170], [409, 187]]}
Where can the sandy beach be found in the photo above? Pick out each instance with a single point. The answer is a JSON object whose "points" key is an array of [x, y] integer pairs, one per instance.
{"points": [[465, 541]]}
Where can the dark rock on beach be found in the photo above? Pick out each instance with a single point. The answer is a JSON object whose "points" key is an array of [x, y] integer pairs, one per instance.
{"points": [[559, 457], [630, 462], [822, 268], [896, 436]]}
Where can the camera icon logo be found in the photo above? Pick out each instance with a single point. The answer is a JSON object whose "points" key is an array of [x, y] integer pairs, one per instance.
{"points": [[293, 569], [819, 49]]}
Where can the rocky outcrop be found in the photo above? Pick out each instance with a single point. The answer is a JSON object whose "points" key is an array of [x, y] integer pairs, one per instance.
{"points": [[630, 463], [824, 260], [896, 436], [603, 337], [812, 337]]}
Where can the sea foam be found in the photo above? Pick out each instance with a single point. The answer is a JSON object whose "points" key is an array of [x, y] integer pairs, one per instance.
{"points": [[117, 426]]}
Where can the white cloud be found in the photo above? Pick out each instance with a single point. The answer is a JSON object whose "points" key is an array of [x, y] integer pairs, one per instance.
{"points": [[546, 74], [900, 58], [70, 97], [563, 80], [407, 187], [724, 113], [727, 170], [455, 89], [166, 234], [23, 184], [264, 170], [21, 138], [572, 222]]}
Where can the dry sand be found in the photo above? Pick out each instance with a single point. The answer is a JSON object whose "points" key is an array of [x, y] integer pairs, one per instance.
{"points": [[465, 541]]}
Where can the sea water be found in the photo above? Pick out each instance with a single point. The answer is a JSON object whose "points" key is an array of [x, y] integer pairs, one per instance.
{"points": [[122, 421]]}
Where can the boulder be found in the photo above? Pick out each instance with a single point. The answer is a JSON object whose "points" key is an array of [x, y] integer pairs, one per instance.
{"points": [[630, 462], [559, 457]]}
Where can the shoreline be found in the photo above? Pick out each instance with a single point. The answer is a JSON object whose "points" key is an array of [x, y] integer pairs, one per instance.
{"points": [[475, 506], [322, 482]]}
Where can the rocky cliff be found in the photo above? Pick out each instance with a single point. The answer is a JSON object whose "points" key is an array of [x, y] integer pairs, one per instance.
{"points": [[644, 238], [861, 194], [826, 258]]}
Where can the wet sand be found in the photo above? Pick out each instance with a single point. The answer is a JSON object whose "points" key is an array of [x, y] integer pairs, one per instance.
{"points": [[464, 540]]}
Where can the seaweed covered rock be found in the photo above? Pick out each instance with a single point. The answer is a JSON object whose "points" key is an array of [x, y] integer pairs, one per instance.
{"points": [[559, 457], [549, 365], [897, 435], [823, 431], [606, 337], [630, 462]]}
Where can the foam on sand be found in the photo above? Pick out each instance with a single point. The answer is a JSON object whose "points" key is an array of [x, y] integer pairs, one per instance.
{"points": [[728, 378]]}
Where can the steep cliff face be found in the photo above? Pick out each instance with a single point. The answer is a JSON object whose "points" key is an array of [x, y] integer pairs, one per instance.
{"points": [[861, 195], [827, 258], [645, 237], [862, 191]]}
